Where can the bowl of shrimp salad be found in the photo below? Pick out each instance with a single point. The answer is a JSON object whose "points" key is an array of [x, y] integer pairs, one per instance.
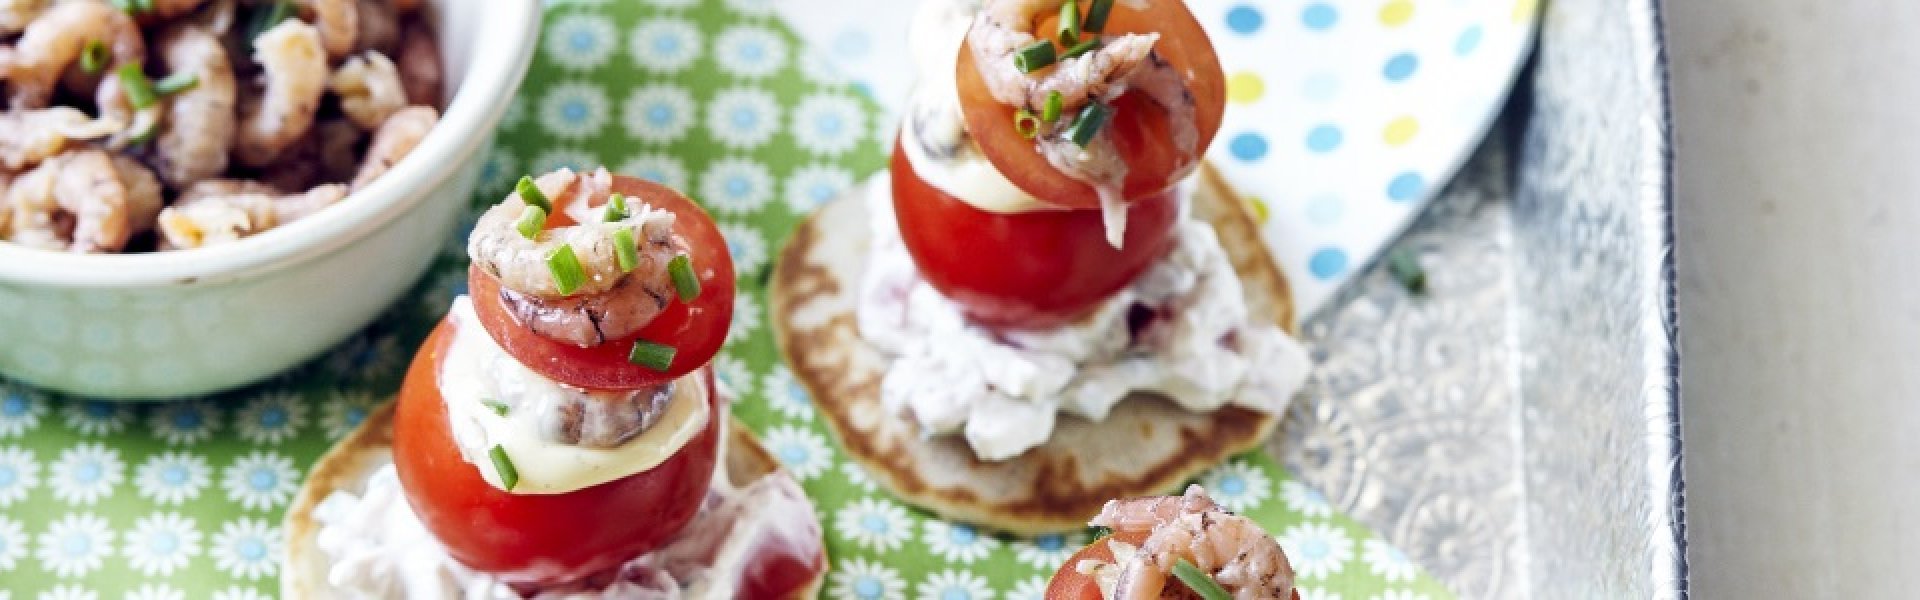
{"points": [[199, 194]]}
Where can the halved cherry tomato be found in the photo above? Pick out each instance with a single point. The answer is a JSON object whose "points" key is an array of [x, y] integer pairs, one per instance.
{"points": [[1139, 127], [695, 329], [1023, 270], [780, 574], [536, 538], [1069, 584]]}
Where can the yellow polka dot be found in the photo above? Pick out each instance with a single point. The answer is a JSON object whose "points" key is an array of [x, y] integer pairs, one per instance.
{"points": [[1523, 10], [1397, 13], [1245, 88], [1402, 130], [1260, 210]]}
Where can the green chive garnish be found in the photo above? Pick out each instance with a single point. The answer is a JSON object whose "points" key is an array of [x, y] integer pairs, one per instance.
{"points": [[1092, 118], [509, 476], [139, 90], [567, 273], [267, 18], [1055, 103], [176, 83], [625, 251], [1085, 46], [1025, 123], [125, 6], [1069, 23], [498, 407], [650, 355], [1096, 16], [143, 5], [531, 194], [616, 207], [532, 220], [681, 268], [1034, 57], [1198, 581], [93, 58], [1404, 265]]}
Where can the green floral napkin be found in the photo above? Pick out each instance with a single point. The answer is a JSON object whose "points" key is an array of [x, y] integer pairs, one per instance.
{"points": [[180, 500]]}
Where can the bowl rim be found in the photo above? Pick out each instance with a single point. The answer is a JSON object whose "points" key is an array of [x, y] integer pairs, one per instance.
{"points": [[505, 46]]}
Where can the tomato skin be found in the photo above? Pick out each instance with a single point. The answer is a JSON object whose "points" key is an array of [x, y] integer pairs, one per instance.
{"points": [[1069, 584], [780, 575], [1139, 128], [1024, 270], [537, 538], [695, 329]]}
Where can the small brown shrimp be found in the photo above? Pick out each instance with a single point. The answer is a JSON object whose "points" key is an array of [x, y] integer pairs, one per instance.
{"points": [[16, 14], [53, 43], [339, 23], [30, 136], [295, 72], [603, 419], [6, 210], [196, 139], [218, 211], [369, 88], [419, 63], [116, 107], [1234, 550], [393, 141], [167, 10], [379, 27], [217, 17], [144, 195], [609, 303], [74, 202]]}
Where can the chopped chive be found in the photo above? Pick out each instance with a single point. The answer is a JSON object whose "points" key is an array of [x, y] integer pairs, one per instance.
{"points": [[1085, 46], [531, 194], [498, 407], [176, 83], [1069, 23], [265, 19], [143, 5], [532, 220], [1404, 265], [616, 207], [125, 6], [651, 355], [1091, 119], [1034, 57], [139, 90], [567, 273], [1096, 16], [509, 476], [1198, 581], [625, 251], [681, 268], [1055, 103], [144, 135], [93, 58], [1026, 124]]}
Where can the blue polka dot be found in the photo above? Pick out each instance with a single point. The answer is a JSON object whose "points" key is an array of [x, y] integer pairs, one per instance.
{"points": [[1328, 263], [1244, 19], [1325, 210], [1248, 146], [1319, 16], [1324, 139], [1401, 66], [1321, 87], [1406, 187], [1468, 40]]}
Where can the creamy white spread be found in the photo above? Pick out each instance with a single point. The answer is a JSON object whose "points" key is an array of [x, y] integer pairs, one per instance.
{"points": [[1198, 345], [476, 374], [933, 135], [377, 547]]}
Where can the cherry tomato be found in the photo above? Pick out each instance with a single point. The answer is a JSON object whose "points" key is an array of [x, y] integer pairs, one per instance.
{"points": [[1024, 270], [781, 574], [1139, 127], [529, 538], [1069, 584], [695, 329]]}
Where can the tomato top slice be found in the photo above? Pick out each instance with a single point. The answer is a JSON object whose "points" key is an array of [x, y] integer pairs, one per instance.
{"points": [[695, 329], [1139, 127], [1069, 584]]}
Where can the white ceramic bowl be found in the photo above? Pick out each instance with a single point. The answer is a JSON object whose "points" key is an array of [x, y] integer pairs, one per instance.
{"points": [[191, 322]]}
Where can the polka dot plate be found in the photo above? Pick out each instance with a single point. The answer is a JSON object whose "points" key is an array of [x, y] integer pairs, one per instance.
{"points": [[1343, 116]]}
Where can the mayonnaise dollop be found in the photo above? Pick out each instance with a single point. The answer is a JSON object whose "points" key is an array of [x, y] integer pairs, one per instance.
{"points": [[1003, 389], [933, 135]]}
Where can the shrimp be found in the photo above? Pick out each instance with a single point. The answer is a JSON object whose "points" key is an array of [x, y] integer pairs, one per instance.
{"points": [[135, 124], [52, 43], [1234, 550], [144, 196], [395, 138], [609, 304], [339, 23], [166, 10], [379, 27], [369, 89], [218, 211], [6, 212], [197, 137], [296, 73], [419, 63], [74, 201], [16, 14], [30, 136], [603, 419], [217, 17]]}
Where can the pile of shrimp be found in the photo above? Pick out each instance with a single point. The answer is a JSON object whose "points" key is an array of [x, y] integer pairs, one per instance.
{"points": [[1235, 551], [140, 125]]}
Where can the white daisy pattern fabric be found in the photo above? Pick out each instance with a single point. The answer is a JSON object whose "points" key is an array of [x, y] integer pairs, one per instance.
{"points": [[717, 98]]}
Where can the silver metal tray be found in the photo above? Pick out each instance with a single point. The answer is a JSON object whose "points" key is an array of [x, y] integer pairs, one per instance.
{"points": [[1516, 428]]}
